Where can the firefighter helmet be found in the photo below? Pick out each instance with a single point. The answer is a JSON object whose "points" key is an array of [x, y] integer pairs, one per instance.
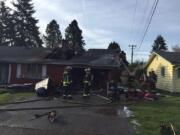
{"points": [[68, 68]]}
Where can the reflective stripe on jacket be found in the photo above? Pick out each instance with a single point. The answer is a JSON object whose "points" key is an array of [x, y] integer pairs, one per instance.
{"points": [[66, 79]]}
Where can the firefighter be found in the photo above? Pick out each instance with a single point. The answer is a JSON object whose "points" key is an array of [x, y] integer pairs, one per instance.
{"points": [[87, 83], [67, 82], [114, 90]]}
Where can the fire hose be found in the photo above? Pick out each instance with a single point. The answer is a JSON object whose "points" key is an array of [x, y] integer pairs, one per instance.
{"points": [[61, 107]]}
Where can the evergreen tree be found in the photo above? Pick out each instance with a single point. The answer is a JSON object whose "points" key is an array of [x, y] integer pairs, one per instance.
{"points": [[6, 25], [114, 46], [159, 44], [53, 35], [27, 32], [122, 56], [73, 34]]}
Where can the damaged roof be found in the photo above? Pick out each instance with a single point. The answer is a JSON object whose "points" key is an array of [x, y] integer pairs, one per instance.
{"points": [[92, 57], [23, 52]]}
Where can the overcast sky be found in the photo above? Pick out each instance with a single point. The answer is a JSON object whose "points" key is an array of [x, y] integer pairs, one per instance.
{"points": [[103, 21]]}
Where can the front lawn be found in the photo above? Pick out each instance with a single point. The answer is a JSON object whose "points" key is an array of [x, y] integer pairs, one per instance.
{"points": [[151, 114], [6, 97]]}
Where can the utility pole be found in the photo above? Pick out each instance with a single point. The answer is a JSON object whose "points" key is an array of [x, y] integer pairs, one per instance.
{"points": [[132, 52]]}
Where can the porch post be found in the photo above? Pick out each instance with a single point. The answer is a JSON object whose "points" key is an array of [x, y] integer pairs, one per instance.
{"points": [[9, 73]]}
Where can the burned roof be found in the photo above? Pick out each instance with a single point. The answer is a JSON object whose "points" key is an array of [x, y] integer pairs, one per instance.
{"points": [[173, 57], [97, 58], [92, 57], [23, 52]]}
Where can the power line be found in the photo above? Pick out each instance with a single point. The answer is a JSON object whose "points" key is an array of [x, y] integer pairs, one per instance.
{"points": [[150, 13], [150, 20], [143, 19]]}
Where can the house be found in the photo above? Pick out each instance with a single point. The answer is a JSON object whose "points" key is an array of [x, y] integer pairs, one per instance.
{"points": [[20, 65], [167, 67]]}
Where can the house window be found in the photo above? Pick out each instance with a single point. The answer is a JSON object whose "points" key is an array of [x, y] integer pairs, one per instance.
{"points": [[162, 71], [31, 71], [178, 72]]}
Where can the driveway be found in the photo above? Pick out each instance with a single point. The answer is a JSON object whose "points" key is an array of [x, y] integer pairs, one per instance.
{"points": [[70, 121]]}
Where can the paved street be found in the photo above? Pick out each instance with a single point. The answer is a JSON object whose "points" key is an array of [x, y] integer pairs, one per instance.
{"points": [[74, 121]]}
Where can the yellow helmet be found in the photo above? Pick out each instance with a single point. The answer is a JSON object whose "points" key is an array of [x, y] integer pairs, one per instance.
{"points": [[68, 68]]}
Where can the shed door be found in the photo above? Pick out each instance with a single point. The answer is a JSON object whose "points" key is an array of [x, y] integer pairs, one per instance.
{"points": [[4, 73]]}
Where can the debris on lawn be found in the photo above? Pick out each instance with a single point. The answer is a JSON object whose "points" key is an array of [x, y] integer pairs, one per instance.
{"points": [[167, 129], [135, 124], [168, 96], [20, 87], [128, 112]]}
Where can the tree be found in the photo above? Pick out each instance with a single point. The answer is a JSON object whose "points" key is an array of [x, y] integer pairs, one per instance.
{"points": [[114, 46], [159, 44], [122, 56], [27, 32], [73, 34], [176, 48], [6, 25], [53, 35]]}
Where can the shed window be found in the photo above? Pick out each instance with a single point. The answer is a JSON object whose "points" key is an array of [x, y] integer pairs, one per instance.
{"points": [[162, 71], [178, 72], [31, 71]]}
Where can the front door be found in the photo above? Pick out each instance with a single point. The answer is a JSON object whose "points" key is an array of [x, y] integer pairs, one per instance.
{"points": [[4, 68]]}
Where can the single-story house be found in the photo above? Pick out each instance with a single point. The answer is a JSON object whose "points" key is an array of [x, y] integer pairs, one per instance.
{"points": [[20, 65], [167, 67]]}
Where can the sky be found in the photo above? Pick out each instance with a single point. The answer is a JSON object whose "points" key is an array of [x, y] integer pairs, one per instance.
{"points": [[123, 21]]}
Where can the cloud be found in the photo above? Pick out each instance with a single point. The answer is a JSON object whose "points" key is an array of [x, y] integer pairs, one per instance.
{"points": [[103, 21], [98, 38]]}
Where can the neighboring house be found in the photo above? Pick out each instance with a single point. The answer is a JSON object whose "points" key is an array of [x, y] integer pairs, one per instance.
{"points": [[20, 65], [167, 67]]}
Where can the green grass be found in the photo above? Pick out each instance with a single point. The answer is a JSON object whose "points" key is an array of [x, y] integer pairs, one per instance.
{"points": [[151, 114], [6, 97]]}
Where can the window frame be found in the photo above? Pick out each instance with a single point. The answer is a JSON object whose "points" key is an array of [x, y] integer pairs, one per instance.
{"points": [[31, 71]]}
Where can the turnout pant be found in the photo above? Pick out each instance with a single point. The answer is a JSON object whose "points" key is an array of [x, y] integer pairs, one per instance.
{"points": [[67, 91]]}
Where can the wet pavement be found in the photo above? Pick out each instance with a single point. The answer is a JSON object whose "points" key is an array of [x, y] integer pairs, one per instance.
{"points": [[71, 121]]}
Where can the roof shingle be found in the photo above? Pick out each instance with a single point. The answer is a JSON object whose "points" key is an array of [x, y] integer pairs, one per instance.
{"points": [[173, 57]]}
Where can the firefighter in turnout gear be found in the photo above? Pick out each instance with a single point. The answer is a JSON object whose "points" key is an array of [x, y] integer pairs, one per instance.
{"points": [[67, 82], [87, 83]]}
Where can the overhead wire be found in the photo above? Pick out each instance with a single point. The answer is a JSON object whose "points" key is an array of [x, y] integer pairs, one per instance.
{"points": [[133, 19], [154, 7], [143, 19]]}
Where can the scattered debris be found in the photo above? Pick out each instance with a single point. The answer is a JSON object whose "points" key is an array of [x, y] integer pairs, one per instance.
{"points": [[128, 112], [167, 129], [135, 123], [168, 96], [20, 87], [51, 115]]}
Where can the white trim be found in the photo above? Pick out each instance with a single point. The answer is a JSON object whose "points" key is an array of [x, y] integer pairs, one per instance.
{"points": [[44, 71], [9, 74], [18, 71]]}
